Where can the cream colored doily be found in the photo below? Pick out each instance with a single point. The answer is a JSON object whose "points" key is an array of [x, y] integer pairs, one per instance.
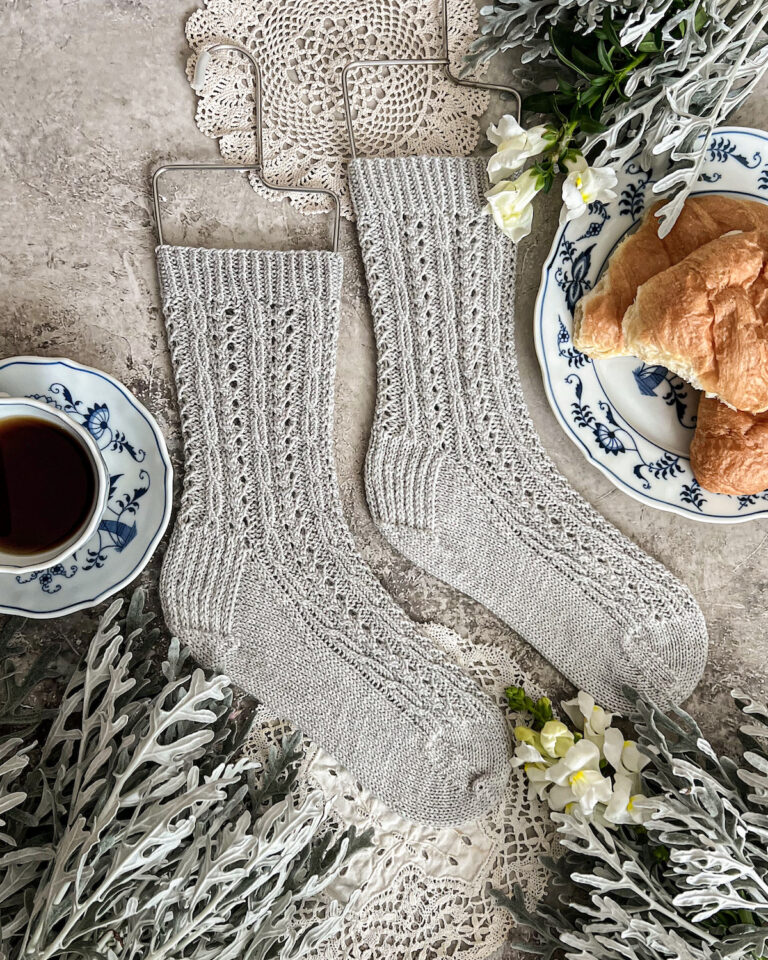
{"points": [[423, 893], [301, 47]]}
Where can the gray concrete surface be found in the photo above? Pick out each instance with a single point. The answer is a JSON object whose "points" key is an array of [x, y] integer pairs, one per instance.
{"points": [[93, 95]]}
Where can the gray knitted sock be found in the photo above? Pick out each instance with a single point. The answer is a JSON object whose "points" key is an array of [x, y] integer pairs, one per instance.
{"points": [[456, 477], [262, 578]]}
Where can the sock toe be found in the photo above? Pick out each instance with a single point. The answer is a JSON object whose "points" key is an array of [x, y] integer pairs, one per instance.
{"points": [[480, 775], [664, 659]]}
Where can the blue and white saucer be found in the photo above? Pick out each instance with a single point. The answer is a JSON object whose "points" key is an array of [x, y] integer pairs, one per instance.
{"points": [[635, 421], [140, 493]]}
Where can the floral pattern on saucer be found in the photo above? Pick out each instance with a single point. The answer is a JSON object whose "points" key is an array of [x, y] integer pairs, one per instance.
{"points": [[633, 420], [140, 487]]}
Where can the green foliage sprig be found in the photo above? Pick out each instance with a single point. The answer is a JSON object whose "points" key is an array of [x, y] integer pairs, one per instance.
{"points": [[540, 710], [626, 77], [133, 828]]}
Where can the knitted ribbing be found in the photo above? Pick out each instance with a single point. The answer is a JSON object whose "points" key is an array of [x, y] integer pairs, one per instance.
{"points": [[262, 578], [456, 477]]}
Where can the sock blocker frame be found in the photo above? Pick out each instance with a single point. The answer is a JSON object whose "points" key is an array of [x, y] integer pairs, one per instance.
{"points": [[256, 168]]}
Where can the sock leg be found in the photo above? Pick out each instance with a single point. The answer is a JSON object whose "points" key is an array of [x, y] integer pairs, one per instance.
{"points": [[456, 476], [262, 578]]}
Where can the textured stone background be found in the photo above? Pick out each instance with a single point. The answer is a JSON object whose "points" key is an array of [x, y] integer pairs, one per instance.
{"points": [[94, 95]]}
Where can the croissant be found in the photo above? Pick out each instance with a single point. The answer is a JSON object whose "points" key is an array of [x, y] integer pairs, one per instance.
{"points": [[597, 324], [706, 319], [729, 451]]}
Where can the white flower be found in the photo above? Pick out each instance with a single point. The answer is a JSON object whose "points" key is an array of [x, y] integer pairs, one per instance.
{"points": [[582, 756], [623, 755], [529, 752], [626, 806], [556, 738], [514, 145], [566, 771], [537, 775], [584, 185], [526, 754], [592, 720], [509, 203], [578, 779]]}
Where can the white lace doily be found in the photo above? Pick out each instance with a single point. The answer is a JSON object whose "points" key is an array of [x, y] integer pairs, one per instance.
{"points": [[424, 893], [301, 47]]}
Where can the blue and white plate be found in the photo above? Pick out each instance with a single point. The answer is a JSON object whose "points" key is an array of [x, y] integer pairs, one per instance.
{"points": [[633, 420], [140, 494]]}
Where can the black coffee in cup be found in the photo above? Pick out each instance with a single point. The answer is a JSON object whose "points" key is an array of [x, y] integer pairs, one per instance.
{"points": [[47, 485]]}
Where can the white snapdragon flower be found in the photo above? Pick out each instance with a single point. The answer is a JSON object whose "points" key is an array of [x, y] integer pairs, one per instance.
{"points": [[591, 719], [556, 738], [530, 755], [627, 803], [565, 768], [527, 754], [584, 185], [536, 751], [510, 205], [577, 779], [626, 806], [537, 777], [514, 145], [529, 751], [546, 746], [623, 755]]}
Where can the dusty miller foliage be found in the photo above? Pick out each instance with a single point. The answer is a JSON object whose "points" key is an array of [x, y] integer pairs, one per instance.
{"points": [[695, 885], [130, 825], [674, 99]]}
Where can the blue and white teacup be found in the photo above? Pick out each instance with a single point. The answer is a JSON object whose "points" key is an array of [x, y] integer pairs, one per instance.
{"points": [[27, 561]]}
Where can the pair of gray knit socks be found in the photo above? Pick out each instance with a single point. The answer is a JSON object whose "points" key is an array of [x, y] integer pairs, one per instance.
{"points": [[262, 578]]}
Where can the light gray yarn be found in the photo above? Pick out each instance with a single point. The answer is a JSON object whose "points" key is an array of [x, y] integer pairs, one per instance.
{"points": [[456, 476], [262, 578]]}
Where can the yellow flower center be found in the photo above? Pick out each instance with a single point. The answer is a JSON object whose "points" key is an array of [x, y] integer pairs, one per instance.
{"points": [[585, 198], [577, 777], [630, 804]]}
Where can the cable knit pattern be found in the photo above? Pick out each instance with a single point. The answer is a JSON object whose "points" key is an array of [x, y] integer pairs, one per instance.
{"points": [[456, 476], [262, 578]]}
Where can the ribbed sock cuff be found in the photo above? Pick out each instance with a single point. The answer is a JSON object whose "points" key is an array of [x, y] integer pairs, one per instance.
{"points": [[411, 184], [275, 276]]}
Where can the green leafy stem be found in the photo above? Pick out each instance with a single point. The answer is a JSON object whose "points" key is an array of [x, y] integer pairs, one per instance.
{"points": [[595, 69]]}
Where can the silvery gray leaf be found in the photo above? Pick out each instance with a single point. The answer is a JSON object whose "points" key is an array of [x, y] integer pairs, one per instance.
{"points": [[134, 836], [694, 882]]}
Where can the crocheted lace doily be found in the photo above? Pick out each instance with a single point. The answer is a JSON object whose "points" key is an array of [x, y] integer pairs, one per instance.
{"points": [[301, 47], [422, 893]]}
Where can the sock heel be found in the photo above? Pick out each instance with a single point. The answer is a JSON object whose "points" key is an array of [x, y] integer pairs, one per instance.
{"points": [[401, 475]]}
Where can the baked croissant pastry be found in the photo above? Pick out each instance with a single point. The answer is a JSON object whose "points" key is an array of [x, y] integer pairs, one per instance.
{"points": [[706, 319], [597, 324], [729, 451]]}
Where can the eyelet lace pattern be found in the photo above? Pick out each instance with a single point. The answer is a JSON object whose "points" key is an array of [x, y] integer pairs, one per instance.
{"points": [[457, 478], [262, 577]]}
